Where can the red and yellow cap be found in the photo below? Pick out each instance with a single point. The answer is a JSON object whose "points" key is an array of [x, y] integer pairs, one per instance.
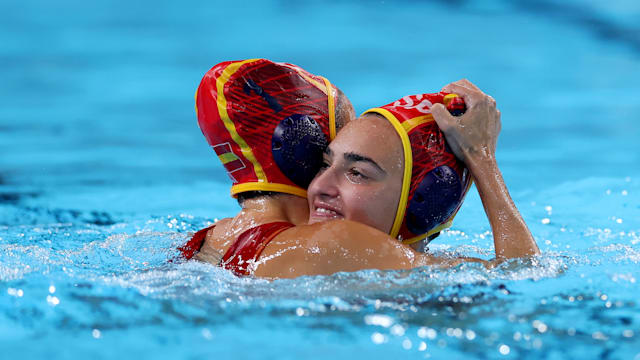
{"points": [[241, 104], [434, 181]]}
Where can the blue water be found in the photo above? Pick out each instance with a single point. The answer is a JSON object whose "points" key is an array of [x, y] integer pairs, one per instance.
{"points": [[103, 171]]}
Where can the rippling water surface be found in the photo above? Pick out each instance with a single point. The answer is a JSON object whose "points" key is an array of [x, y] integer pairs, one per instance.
{"points": [[103, 172]]}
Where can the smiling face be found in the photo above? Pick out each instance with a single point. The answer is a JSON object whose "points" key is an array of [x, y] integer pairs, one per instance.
{"points": [[361, 178]]}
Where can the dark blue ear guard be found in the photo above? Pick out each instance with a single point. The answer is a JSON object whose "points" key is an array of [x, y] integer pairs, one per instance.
{"points": [[434, 200], [297, 146]]}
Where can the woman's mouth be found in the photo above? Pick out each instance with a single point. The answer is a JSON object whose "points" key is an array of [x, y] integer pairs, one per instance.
{"points": [[324, 212]]}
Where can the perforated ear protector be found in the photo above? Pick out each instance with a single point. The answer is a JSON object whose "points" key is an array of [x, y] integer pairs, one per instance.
{"points": [[434, 200], [297, 145]]}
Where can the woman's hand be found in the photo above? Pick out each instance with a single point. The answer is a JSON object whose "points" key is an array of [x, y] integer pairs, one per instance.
{"points": [[473, 135]]}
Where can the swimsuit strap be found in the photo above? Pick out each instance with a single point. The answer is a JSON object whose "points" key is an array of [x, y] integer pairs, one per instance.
{"points": [[247, 248], [195, 244]]}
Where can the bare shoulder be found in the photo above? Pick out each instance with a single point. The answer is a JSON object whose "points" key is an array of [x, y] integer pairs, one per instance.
{"points": [[221, 226], [332, 246], [335, 231], [342, 245], [215, 242], [337, 236]]}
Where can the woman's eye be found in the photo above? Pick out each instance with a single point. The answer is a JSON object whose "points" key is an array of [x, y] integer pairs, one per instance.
{"points": [[357, 175], [324, 166]]}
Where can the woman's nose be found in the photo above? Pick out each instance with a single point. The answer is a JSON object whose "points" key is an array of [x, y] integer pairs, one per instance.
{"points": [[325, 183]]}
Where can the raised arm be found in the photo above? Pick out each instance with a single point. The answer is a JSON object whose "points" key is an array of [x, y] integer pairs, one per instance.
{"points": [[472, 137]]}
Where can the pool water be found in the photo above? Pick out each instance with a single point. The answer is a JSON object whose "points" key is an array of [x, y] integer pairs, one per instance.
{"points": [[103, 172]]}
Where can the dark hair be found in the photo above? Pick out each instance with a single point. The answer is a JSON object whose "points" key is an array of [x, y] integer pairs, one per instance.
{"points": [[247, 195], [344, 110]]}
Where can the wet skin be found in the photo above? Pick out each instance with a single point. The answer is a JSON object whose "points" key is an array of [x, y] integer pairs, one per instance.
{"points": [[361, 178]]}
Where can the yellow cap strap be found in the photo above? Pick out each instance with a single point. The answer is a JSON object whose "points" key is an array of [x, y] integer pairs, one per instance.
{"points": [[332, 109], [408, 166], [262, 186], [438, 228]]}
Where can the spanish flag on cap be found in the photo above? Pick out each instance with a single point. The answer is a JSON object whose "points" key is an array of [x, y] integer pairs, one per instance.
{"points": [[261, 118], [434, 181]]}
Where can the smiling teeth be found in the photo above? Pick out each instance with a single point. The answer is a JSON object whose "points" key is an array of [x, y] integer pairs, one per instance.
{"points": [[326, 211]]}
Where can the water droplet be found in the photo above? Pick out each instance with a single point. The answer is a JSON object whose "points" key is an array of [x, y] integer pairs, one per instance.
{"points": [[470, 334], [406, 344], [206, 333], [15, 292], [599, 336], [52, 300], [425, 332], [540, 326], [397, 330], [378, 338], [379, 320]]}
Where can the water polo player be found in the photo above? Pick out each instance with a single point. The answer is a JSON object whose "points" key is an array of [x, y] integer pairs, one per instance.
{"points": [[269, 124], [363, 178]]}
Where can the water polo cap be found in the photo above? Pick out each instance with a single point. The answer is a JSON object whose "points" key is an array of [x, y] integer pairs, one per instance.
{"points": [[434, 181], [269, 123]]}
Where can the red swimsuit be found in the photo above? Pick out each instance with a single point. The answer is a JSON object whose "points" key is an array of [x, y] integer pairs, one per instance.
{"points": [[244, 251]]}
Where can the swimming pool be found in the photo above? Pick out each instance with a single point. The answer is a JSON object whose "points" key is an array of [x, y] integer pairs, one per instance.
{"points": [[103, 171]]}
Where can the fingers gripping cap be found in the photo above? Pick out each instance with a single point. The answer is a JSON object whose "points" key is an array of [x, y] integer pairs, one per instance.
{"points": [[434, 181], [268, 123]]}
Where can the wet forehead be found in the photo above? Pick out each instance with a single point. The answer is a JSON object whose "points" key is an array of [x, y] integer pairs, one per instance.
{"points": [[370, 136]]}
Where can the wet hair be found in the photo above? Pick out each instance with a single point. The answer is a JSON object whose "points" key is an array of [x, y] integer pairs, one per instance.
{"points": [[344, 110], [248, 195]]}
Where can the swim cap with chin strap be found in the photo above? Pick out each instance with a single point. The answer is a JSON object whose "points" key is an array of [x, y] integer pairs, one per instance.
{"points": [[268, 122], [434, 180]]}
